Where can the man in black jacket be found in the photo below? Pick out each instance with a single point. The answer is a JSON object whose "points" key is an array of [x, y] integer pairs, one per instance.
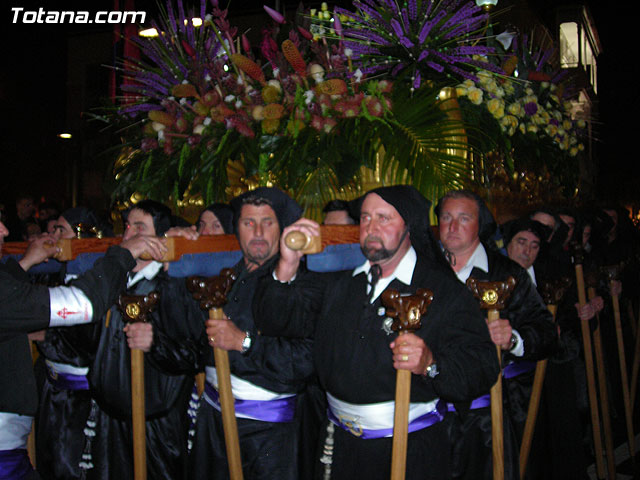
{"points": [[25, 308], [525, 331], [357, 355]]}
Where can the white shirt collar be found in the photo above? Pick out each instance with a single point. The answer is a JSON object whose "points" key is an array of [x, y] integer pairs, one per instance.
{"points": [[477, 259], [532, 274], [148, 272], [403, 272]]}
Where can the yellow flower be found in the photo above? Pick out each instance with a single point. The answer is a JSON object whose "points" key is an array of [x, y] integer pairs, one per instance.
{"points": [[522, 128], [515, 109], [461, 91], [532, 128], [468, 83], [496, 108], [551, 130], [475, 95], [566, 125], [484, 77], [581, 147], [573, 152], [582, 124]]}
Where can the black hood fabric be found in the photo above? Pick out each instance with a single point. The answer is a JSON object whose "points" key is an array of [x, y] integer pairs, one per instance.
{"points": [[525, 224], [286, 209], [224, 214], [87, 217], [414, 210]]}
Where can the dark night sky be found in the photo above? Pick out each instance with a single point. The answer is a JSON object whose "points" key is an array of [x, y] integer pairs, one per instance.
{"points": [[33, 97]]}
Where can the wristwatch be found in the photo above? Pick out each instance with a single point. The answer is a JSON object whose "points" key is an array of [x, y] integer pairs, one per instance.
{"points": [[513, 341], [246, 343], [432, 371]]}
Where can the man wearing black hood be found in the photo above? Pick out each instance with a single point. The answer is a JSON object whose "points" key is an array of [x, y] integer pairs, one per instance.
{"points": [[525, 331], [357, 354], [267, 372], [106, 449]]}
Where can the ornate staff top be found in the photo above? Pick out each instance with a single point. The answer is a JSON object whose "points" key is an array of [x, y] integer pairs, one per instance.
{"points": [[492, 295], [136, 308], [406, 310], [212, 292]]}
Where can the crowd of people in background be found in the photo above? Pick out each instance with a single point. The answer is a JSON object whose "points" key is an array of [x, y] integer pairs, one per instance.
{"points": [[313, 359]]}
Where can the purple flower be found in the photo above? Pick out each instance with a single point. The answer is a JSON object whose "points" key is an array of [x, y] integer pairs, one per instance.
{"points": [[530, 108]]}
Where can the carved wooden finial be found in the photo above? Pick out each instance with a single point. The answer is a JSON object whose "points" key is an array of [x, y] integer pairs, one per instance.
{"points": [[136, 308], [492, 295], [552, 291], [406, 310], [212, 292]]}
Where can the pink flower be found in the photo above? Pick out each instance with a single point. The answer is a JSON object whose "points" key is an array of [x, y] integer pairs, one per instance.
{"points": [[277, 16]]}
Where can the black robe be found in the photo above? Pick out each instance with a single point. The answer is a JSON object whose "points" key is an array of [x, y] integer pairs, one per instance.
{"points": [[281, 365], [166, 395], [354, 362], [63, 412], [25, 308], [527, 314]]}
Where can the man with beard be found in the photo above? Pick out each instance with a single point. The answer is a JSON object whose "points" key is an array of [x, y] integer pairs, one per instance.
{"points": [[357, 355], [267, 373], [524, 332], [27, 308]]}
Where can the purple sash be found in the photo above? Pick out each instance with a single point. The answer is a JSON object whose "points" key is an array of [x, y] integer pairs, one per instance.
{"points": [[281, 410], [67, 381], [517, 368], [480, 402], [419, 423], [14, 464]]}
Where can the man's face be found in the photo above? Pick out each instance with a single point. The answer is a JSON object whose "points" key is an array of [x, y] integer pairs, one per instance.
{"points": [[63, 229], [338, 217], [209, 224], [459, 225], [25, 208], [258, 233], [523, 248], [382, 230], [571, 223], [138, 222]]}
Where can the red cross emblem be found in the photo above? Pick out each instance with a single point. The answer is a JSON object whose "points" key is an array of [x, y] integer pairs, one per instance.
{"points": [[64, 313]]}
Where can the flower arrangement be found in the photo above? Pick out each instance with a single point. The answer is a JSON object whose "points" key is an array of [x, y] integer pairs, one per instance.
{"points": [[525, 113], [304, 112]]}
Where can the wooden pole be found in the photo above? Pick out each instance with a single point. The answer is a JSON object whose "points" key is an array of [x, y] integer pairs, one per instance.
{"points": [[534, 404], [138, 415], [591, 382], [636, 357], [604, 395], [623, 375], [231, 439], [407, 310], [401, 425], [497, 415]]}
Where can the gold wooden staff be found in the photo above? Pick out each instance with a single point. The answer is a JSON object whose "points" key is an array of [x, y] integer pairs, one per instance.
{"points": [[613, 273], [407, 312], [493, 296], [135, 308], [602, 385], [212, 294], [552, 293], [636, 355], [588, 360]]}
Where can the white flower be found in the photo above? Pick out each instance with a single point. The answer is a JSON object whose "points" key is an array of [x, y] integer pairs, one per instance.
{"points": [[183, 101], [229, 98], [198, 129], [357, 75], [207, 77], [348, 52], [238, 104], [308, 97], [207, 121]]}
